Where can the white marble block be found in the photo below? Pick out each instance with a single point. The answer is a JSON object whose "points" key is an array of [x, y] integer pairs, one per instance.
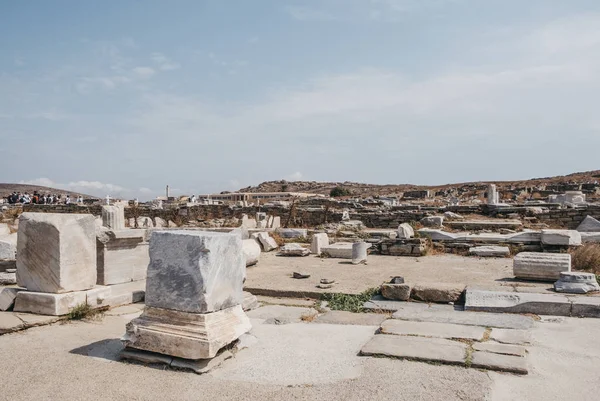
{"points": [[541, 266], [122, 256], [577, 283], [113, 217], [8, 247], [57, 252], [405, 231], [44, 303], [194, 271], [251, 250], [359, 252], [266, 241], [319, 240], [589, 225], [561, 237]]}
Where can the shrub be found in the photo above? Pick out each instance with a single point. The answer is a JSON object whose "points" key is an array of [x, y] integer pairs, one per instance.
{"points": [[586, 258], [350, 303], [339, 191]]}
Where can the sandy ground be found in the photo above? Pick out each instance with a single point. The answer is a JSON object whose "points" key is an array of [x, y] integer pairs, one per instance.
{"points": [[304, 361], [274, 273]]}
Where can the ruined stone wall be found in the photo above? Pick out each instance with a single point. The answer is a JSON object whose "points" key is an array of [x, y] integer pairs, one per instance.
{"points": [[569, 218]]}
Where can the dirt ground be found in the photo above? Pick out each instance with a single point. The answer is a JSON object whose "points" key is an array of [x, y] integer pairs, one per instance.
{"points": [[273, 274]]}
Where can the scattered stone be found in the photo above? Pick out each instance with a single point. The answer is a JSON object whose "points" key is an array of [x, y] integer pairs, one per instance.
{"points": [[502, 363], [417, 348], [405, 231], [7, 278], [7, 297], [319, 241], [341, 250], [490, 251], [359, 252], [576, 283], [589, 225], [586, 307], [513, 302], [429, 329], [541, 266], [498, 348], [561, 237], [326, 281], [437, 292], [267, 242], [293, 250], [8, 247], [509, 336], [453, 216], [250, 302], [397, 280], [433, 221], [251, 249], [122, 256], [399, 292], [324, 286], [300, 275], [292, 232]]}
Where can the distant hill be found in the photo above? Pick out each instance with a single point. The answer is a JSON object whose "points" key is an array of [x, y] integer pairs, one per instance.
{"points": [[372, 189], [7, 189]]}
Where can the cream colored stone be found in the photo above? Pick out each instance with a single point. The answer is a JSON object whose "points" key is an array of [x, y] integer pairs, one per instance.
{"points": [[57, 252], [48, 304], [186, 335], [122, 256]]}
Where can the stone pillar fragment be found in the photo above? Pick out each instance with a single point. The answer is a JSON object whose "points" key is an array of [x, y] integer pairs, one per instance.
{"points": [[319, 241], [541, 266], [359, 252], [113, 217]]}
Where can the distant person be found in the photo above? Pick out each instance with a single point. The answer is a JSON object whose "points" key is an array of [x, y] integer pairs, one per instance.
{"points": [[67, 200]]}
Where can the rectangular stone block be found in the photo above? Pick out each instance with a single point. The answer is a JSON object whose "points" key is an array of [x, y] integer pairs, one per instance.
{"points": [[113, 217], [48, 304], [121, 259], [57, 252], [561, 237], [186, 335], [341, 250], [541, 266], [195, 272], [98, 296], [513, 302], [7, 297], [417, 348]]}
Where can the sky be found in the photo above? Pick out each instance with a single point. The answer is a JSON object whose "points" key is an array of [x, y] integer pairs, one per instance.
{"points": [[125, 97]]}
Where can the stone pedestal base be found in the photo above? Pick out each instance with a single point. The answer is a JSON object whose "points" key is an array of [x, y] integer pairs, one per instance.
{"points": [[184, 334], [44, 303]]}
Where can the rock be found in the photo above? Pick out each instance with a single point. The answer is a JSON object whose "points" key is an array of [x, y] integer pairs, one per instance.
{"points": [[7, 297], [293, 250], [437, 292], [113, 217], [561, 237], [57, 252], [541, 266], [453, 216], [359, 252], [433, 221], [7, 278], [319, 241], [326, 281], [251, 250], [324, 286], [589, 225], [397, 280], [8, 247], [195, 271], [399, 292], [576, 283], [268, 244], [250, 302], [293, 232], [490, 251], [405, 231], [300, 275]]}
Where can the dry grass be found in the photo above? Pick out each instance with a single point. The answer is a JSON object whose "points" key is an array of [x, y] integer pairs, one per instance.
{"points": [[586, 258], [280, 241], [309, 317]]}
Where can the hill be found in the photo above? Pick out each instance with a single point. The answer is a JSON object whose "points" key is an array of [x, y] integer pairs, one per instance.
{"points": [[7, 189], [379, 190]]}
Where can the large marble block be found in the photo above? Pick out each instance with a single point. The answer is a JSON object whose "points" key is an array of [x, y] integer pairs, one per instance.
{"points": [[122, 256], [113, 217], [561, 237], [195, 272], [541, 266], [56, 252], [186, 335]]}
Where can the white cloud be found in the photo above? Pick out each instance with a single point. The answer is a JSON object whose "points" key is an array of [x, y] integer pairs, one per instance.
{"points": [[143, 72], [164, 63], [96, 188]]}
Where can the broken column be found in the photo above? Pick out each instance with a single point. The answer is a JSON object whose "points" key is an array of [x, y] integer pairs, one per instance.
{"points": [[251, 250], [319, 241], [359, 252], [576, 283], [57, 263], [193, 295], [113, 217], [541, 266], [492, 195]]}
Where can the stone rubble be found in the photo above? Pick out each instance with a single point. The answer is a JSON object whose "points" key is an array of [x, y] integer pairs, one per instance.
{"points": [[576, 283]]}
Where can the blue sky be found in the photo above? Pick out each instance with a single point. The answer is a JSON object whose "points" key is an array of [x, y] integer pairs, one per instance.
{"points": [[124, 97]]}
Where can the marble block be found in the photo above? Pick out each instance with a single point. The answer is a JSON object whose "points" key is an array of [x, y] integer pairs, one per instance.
{"points": [[7, 297], [8, 247], [589, 225], [266, 241], [293, 249], [359, 252], [541, 266], [113, 217], [122, 256], [186, 335], [493, 251], [319, 240], [57, 252], [576, 283], [44, 303], [405, 231], [251, 250], [561, 237], [195, 271]]}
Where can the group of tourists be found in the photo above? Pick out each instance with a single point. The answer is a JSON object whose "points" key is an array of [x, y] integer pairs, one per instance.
{"points": [[41, 199]]}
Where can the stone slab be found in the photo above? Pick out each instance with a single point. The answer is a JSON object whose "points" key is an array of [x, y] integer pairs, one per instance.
{"points": [[499, 348], [577, 283], [280, 312], [490, 251], [589, 225], [48, 304], [7, 297], [416, 348], [252, 250], [7, 278], [9, 322], [437, 292], [512, 302], [199, 366], [8, 247], [482, 319], [57, 252], [196, 272], [357, 319], [541, 266], [292, 232], [122, 259], [561, 237], [186, 335], [99, 296], [502, 363], [319, 240], [429, 329], [509, 336], [585, 307]]}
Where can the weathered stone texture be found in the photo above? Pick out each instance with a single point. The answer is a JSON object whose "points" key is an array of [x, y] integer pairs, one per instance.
{"points": [[541, 266]]}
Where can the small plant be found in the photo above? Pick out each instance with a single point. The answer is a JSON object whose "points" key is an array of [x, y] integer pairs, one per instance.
{"points": [[586, 258], [82, 311], [351, 303], [340, 191]]}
